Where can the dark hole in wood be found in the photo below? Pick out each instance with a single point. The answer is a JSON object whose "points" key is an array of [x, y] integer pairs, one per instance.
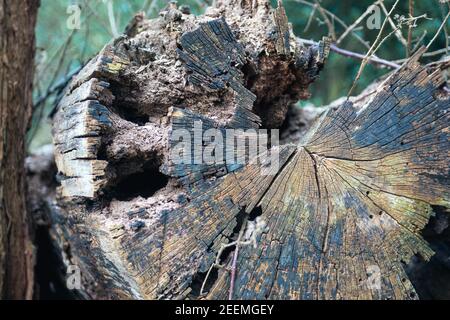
{"points": [[125, 109], [144, 184], [49, 269], [256, 212], [431, 279], [199, 278]]}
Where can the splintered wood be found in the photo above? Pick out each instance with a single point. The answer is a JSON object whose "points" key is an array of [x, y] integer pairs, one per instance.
{"points": [[343, 213], [80, 122]]}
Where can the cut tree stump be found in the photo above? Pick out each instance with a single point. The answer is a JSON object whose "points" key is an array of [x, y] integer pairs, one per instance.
{"points": [[339, 219]]}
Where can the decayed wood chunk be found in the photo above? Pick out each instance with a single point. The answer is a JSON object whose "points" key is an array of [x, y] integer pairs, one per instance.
{"points": [[344, 210], [131, 85]]}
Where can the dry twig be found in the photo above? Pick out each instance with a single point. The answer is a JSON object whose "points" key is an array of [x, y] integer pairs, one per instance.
{"points": [[357, 22], [439, 30], [371, 50], [410, 27], [397, 31]]}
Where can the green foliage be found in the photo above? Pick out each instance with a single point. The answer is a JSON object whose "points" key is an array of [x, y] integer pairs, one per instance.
{"points": [[61, 50]]}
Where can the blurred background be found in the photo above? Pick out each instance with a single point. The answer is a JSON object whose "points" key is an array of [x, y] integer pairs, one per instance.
{"points": [[64, 45]]}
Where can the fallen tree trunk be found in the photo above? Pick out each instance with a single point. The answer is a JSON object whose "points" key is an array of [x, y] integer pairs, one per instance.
{"points": [[339, 218]]}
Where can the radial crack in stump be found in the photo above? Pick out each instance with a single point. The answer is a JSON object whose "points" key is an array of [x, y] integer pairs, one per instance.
{"points": [[344, 214]]}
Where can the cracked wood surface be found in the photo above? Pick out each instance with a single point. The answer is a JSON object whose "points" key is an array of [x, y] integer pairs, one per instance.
{"points": [[347, 203]]}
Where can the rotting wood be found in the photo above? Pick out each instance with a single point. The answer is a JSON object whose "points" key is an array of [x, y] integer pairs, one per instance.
{"points": [[349, 200]]}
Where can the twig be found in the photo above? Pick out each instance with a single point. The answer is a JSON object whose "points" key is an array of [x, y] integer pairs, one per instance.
{"points": [[216, 264], [99, 19], [397, 31], [330, 25], [38, 108], [427, 54], [439, 30], [347, 53], [357, 22], [447, 38], [310, 18], [338, 20], [56, 88], [372, 60], [371, 50], [39, 103], [112, 18], [250, 231], [410, 28], [419, 41], [233, 265]]}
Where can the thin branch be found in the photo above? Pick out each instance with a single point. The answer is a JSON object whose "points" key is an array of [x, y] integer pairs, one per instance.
{"points": [[439, 30], [56, 88], [330, 25], [357, 22], [233, 265], [338, 20], [372, 59], [351, 54], [250, 231], [371, 50], [410, 28], [445, 27], [112, 18], [99, 19], [418, 43], [310, 18], [39, 104], [426, 54], [397, 31]]}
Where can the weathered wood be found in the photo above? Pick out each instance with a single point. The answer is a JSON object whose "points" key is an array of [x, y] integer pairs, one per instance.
{"points": [[355, 194], [349, 198]]}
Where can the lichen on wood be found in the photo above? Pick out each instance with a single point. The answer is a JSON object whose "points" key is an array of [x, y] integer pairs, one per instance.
{"points": [[344, 209]]}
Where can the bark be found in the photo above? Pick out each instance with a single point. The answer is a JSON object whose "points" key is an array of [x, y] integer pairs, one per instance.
{"points": [[349, 198], [17, 22]]}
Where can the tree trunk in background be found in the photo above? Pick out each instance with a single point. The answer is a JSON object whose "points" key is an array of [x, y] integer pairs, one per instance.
{"points": [[17, 22]]}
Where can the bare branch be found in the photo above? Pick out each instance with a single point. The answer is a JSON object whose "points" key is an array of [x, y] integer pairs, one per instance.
{"points": [[347, 53], [410, 27], [330, 25], [426, 54], [439, 30], [311, 15], [372, 49], [233, 265], [357, 22], [338, 20], [397, 31], [111, 18]]}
